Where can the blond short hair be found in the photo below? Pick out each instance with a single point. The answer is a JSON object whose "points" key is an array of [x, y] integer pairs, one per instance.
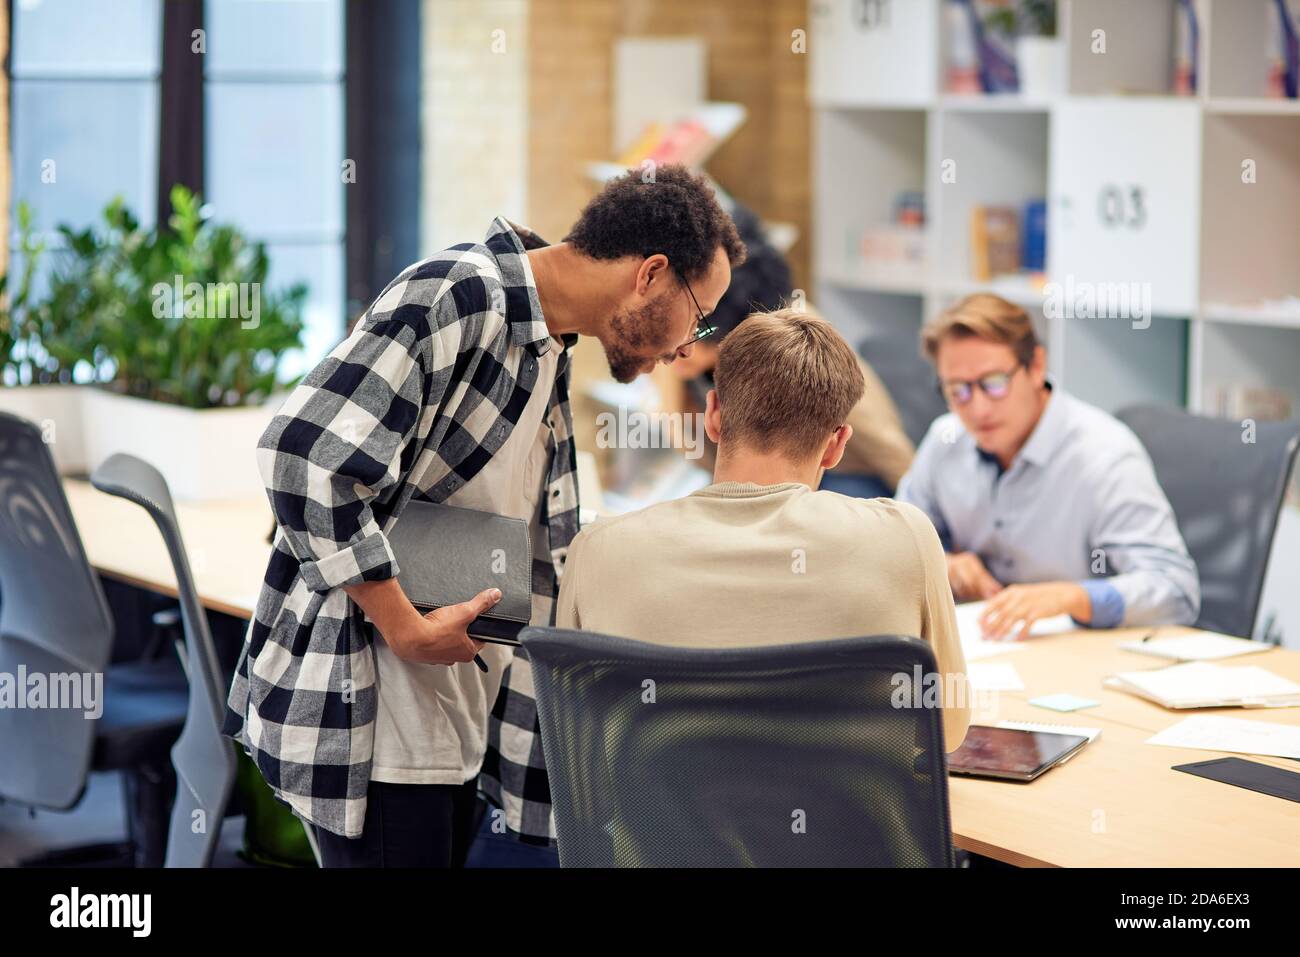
{"points": [[983, 316], [785, 380]]}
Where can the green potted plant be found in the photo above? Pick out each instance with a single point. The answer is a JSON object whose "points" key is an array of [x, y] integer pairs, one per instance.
{"points": [[180, 337], [34, 384]]}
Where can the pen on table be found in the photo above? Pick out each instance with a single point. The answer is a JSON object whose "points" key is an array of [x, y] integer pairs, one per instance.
{"points": [[1150, 634]]}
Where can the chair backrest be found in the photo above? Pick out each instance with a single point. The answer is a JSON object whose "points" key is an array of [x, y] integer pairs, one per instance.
{"points": [[1226, 486], [54, 625], [909, 380], [204, 759], [786, 755]]}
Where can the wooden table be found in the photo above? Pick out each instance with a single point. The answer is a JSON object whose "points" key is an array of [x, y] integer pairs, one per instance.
{"points": [[1118, 803], [226, 542]]}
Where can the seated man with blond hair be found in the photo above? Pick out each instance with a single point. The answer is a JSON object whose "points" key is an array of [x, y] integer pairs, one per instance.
{"points": [[715, 569], [1047, 505]]}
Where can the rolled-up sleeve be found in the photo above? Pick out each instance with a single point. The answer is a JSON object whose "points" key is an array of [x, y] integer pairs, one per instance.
{"points": [[1137, 545], [346, 434]]}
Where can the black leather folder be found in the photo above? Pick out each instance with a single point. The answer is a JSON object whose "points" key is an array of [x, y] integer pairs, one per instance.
{"points": [[447, 555]]}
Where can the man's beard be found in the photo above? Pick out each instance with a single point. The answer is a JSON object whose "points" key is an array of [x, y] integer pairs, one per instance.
{"points": [[631, 335]]}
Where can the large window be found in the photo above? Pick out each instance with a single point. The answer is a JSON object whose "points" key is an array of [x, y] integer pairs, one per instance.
{"points": [[261, 119], [85, 109], [274, 142]]}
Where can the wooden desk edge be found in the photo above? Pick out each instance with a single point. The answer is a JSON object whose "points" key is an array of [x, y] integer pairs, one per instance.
{"points": [[997, 853], [159, 588]]}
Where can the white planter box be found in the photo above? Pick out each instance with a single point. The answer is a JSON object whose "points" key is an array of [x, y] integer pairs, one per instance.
{"points": [[1040, 62], [204, 454], [56, 410]]}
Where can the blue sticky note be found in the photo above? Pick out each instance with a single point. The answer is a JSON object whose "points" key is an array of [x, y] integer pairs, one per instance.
{"points": [[1062, 702]]}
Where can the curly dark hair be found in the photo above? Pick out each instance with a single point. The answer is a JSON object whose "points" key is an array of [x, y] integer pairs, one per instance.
{"points": [[761, 284], [677, 214]]}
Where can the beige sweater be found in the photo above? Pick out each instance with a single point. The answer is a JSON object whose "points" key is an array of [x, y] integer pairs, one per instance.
{"points": [[740, 564]]}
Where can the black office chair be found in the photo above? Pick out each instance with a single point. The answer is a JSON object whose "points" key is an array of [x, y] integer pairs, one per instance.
{"points": [[788, 755], [203, 758], [1226, 494], [54, 621]]}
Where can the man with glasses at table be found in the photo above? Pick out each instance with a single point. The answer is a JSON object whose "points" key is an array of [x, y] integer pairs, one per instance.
{"points": [[452, 388], [1046, 505]]}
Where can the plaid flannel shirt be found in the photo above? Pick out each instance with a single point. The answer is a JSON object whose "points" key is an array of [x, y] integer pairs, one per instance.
{"points": [[412, 404]]}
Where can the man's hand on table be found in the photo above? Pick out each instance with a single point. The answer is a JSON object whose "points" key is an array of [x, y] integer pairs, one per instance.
{"points": [[1014, 609], [969, 579]]}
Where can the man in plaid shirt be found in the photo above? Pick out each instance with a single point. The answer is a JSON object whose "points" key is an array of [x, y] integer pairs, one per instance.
{"points": [[452, 388]]}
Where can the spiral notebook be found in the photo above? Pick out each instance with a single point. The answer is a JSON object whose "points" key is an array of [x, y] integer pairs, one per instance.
{"points": [[1197, 646], [1200, 684]]}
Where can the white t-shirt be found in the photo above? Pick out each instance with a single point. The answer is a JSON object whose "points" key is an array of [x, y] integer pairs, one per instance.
{"points": [[432, 720]]}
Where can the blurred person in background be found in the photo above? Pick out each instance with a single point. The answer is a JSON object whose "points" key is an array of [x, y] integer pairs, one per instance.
{"points": [[879, 452]]}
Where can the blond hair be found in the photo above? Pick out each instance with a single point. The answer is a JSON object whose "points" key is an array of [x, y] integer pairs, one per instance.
{"points": [[785, 380], [983, 316]]}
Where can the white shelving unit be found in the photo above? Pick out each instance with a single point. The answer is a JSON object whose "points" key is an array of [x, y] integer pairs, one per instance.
{"points": [[1198, 197]]}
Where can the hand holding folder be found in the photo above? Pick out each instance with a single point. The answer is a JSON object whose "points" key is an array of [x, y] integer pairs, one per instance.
{"points": [[447, 556]]}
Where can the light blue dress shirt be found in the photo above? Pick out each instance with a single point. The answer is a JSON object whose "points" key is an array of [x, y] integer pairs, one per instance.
{"points": [[1079, 503]]}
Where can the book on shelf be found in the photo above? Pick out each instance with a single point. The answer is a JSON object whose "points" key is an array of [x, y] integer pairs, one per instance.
{"points": [[994, 241], [1244, 401], [895, 250], [1033, 256], [981, 37], [689, 140], [1283, 49], [1186, 33]]}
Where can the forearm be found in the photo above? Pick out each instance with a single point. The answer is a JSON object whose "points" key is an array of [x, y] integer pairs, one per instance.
{"points": [[1079, 602], [386, 605]]}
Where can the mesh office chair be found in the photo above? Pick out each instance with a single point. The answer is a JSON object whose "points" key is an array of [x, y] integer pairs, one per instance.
{"points": [[204, 760], [1226, 495], [54, 621], [786, 755]]}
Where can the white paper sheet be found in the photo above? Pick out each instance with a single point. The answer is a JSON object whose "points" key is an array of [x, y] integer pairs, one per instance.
{"points": [[968, 615], [1211, 733], [975, 646], [994, 676]]}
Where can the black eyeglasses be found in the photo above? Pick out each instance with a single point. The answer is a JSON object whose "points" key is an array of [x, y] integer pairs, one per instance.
{"points": [[703, 328], [995, 385]]}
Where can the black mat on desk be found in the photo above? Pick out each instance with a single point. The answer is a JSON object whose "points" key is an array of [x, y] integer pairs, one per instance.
{"points": [[1250, 775]]}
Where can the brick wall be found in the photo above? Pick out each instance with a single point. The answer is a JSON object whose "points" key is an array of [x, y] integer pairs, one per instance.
{"points": [[474, 104], [750, 61]]}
